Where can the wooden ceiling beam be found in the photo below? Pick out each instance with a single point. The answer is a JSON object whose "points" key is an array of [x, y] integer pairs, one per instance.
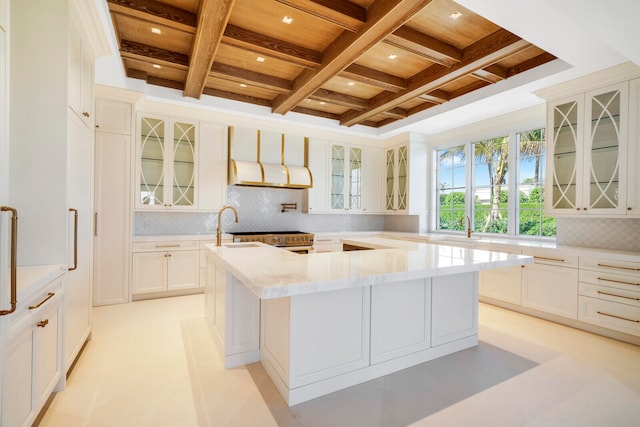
{"points": [[317, 113], [340, 99], [374, 78], [383, 17], [396, 113], [428, 47], [240, 75], [437, 96], [483, 53], [152, 80], [236, 97], [491, 74], [129, 49], [213, 16], [268, 46], [342, 13], [536, 61], [161, 13]]}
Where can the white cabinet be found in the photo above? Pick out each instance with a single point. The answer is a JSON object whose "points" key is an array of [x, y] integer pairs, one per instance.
{"points": [[80, 76], [166, 161], [633, 172], [610, 294], [165, 266], [503, 284], [454, 305], [80, 239], [33, 367], [180, 164], [372, 161], [551, 283], [111, 203], [587, 162], [316, 198], [346, 178], [405, 187], [212, 167]]}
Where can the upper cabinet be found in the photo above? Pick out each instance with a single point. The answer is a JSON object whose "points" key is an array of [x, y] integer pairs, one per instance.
{"points": [[405, 186], [80, 76], [176, 168], [587, 161], [346, 178], [633, 150]]}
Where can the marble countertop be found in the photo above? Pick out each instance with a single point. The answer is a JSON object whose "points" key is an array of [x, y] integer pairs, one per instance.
{"points": [[30, 279], [272, 272]]}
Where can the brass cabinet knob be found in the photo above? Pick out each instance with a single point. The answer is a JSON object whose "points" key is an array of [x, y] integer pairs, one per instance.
{"points": [[43, 323]]}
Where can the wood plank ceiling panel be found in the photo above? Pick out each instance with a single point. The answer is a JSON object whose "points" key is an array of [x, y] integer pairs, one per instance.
{"points": [[332, 59]]}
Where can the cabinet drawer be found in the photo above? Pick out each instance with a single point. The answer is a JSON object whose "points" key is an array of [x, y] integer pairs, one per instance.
{"points": [[610, 294], [552, 257], [165, 246], [628, 268], [612, 280], [31, 308], [612, 315]]}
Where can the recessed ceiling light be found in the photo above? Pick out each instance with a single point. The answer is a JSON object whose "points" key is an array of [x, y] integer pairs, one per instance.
{"points": [[260, 59], [323, 103], [287, 20], [243, 85], [455, 15], [392, 56], [157, 66], [155, 30], [350, 83]]}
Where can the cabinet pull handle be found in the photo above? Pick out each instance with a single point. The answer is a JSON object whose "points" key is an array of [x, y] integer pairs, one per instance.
{"points": [[43, 323], [75, 239], [619, 267], [47, 298], [14, 259], [173, 245], [618, 281], [548, 259], [95, 224], [619, 296], [618, 317], [84, 113]]}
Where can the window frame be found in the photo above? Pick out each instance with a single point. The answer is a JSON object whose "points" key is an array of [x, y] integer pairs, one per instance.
{"points": [[513, 173]]}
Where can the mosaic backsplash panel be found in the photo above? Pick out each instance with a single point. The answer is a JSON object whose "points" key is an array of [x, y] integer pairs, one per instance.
{"points": [[607, 233], [259, 209]]}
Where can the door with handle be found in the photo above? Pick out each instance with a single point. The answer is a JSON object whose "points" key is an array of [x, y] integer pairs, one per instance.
{"points": [[13, 249]]}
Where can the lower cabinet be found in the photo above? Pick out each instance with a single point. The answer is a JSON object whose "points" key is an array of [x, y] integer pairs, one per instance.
{"points": [[162, 267], [610, 294], [33, 365], [551, 289], [504, 284]]}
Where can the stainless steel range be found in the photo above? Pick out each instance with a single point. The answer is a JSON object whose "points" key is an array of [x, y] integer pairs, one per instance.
{"points": [[294, 241]]}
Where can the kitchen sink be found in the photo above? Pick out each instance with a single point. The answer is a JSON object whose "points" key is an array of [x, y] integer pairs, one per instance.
{"points": [[240, 245]]}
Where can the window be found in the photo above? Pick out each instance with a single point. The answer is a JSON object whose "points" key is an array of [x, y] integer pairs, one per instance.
{"points": [[451, 172], [502, 190], [490, 192], [531, 172]]}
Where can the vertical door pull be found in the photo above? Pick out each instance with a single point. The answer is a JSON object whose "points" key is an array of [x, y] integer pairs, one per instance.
{"points": [[75, 238], [14, 259]]}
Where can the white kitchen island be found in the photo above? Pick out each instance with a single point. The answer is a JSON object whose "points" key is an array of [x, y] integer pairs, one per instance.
{"points": [[322, 322]]}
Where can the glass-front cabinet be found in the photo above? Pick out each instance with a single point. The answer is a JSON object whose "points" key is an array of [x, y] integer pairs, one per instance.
{"points": [[396, 189], [167, 159], [346, 178], [588, 153]]}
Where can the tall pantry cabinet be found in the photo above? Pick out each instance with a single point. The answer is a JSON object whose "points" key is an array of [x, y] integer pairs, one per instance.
{"points": [[53, 47]]}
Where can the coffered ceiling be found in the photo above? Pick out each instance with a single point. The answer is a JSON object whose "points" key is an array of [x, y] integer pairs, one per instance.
{"points": [[367, 62]]}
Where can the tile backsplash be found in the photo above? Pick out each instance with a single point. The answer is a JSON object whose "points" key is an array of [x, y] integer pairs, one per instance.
{"points": [[259, 209], [607, 233]]}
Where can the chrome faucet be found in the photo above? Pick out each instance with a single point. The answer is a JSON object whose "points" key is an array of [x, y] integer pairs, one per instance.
{"points": [[218, 231], [468, 225]]}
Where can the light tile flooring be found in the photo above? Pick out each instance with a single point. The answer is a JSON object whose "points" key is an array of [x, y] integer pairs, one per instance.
{"points": [[153, 363]]}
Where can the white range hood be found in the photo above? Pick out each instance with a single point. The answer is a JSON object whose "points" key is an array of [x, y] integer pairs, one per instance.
{"points": [[268, 159]]}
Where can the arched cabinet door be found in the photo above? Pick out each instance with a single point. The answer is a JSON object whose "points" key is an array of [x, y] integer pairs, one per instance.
{"points": [[587, 153]]}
